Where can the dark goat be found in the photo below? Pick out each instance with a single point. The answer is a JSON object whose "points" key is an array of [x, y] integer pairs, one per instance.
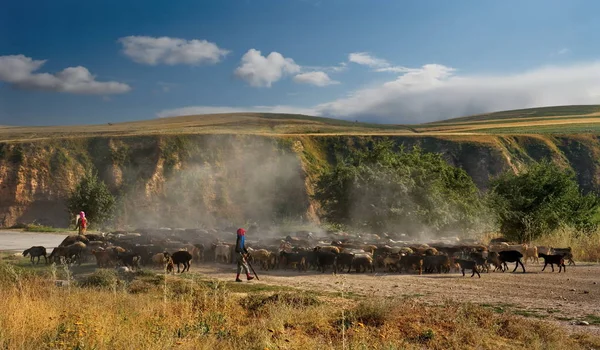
{"points": [[554, 259], [129, 259], [36, 252], [511, 256], [436, 263], [326, 259], [468, 265], [492, 258], [345, 260], [566, 252], [182, 257], [292, 258]]}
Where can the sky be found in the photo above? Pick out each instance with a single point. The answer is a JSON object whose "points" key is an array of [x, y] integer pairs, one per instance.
{"points": [[386, 61]]}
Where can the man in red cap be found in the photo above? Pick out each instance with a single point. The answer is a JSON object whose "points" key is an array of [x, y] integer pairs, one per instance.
{"points": [[241, 251]]}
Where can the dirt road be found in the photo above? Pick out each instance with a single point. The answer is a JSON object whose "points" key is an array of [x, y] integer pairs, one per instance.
{"points": [[18, 241], [545, 295]]}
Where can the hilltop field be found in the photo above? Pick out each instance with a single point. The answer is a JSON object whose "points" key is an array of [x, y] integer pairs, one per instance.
{"points": [[547, 120]]}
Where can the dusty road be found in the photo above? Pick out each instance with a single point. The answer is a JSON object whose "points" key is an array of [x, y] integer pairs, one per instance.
{"points": [[18, 241], [545, 295]]}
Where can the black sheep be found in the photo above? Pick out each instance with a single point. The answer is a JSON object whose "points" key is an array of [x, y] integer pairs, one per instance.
{"points": [[182, 257]]}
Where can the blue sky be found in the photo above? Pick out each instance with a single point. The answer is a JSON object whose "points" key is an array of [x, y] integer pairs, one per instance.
{"points": [[88, 62]]}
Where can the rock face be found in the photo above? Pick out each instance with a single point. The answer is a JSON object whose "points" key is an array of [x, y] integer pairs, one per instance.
{"points": [[188, 180]]}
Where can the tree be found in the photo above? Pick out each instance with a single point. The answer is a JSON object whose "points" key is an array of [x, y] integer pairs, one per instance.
{"points": [[92, 197], [540, 200], [384, 189]]}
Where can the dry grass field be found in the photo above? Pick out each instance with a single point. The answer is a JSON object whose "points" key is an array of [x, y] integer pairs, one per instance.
{"points": [[203, 310], [564, 119]]}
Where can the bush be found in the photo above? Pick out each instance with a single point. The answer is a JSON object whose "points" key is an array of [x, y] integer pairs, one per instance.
{"points": [[93, 197], [101, 278]]}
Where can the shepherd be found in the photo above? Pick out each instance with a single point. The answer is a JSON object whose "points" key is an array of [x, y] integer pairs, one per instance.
{"points": [[81, 224], [241, 252]]}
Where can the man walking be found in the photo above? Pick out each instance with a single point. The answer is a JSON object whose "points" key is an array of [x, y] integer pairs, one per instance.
{"points": [[241, 252]]}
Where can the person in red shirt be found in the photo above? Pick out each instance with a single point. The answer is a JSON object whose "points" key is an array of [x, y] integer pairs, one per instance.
{"points": [[81, 223]]}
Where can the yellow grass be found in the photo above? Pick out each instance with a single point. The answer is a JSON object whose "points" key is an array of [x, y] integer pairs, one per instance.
{"points": [[585, 247], [180, 313]]}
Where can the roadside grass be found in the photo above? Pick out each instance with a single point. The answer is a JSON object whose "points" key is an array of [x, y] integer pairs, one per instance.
{"points": [[149, 310], [593, 319], [43, 228]]}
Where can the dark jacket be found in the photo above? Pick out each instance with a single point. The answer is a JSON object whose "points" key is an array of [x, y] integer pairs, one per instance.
{"points": [[240, 244]]}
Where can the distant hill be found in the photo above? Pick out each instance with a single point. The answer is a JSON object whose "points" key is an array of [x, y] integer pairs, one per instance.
{"points": [[540, 112], [544, 120]]}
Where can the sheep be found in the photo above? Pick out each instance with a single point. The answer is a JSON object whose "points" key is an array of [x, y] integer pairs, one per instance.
{"points": [[554, 259], [262, 256], [72, 239], [36, 252], [70, 253], [129, 259], [363, 262], [182, 257], [198, 252], [160, 259], [467, 264], [223, 253], [104, 258], [332, 249], [511, 256], [391, 262], [531, 253]]}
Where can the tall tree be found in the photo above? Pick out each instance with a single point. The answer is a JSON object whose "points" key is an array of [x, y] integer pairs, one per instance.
{"points": [[540, 200], [386, 189], [92, 197]]}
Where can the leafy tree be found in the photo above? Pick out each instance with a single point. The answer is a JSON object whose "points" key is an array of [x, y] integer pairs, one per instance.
{"points": [[93, 197], [384, 189], [540, 200]]}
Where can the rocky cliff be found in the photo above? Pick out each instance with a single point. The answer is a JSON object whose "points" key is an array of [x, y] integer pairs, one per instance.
{"points": [[191, 180]]}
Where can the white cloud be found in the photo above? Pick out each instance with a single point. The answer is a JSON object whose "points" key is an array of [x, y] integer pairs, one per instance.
{"points": [[171, 51], [435, 92], [261, 71], [196, 110], [18, 71], [378, 64], [563, 51], [366, 59], [315, 78]]}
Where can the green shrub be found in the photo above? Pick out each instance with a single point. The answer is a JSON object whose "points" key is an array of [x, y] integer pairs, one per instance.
{"points": [[101, 278]]}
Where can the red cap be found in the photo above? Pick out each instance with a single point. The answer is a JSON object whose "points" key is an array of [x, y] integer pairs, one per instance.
{"points": [[241, 231]]}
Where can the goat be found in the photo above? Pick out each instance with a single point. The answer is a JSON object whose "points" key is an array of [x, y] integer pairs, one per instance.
{"points": [[566, 252], [467, 264], [554, 259], [511, 256], [36, 252], [182, 257]]}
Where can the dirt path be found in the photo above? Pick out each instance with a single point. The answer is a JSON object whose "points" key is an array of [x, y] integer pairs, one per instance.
{"points": [[545, 295]]}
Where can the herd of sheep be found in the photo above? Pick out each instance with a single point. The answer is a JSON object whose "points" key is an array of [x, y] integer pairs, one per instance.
{"points": [[303, 251]]}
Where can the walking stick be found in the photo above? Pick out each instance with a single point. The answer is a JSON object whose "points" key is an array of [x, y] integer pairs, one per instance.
{"points": [[251, 268]]}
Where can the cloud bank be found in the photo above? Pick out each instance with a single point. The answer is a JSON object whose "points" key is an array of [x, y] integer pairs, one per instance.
{"points": [[171, 51], [18, 71], [434, 92]]}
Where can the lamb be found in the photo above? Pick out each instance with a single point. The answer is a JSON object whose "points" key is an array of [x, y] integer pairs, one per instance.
{"points": [[36, 252], [554, 259]]}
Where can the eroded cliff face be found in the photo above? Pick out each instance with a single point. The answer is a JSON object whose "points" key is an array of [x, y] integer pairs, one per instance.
{"points": [[192, 180]]}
